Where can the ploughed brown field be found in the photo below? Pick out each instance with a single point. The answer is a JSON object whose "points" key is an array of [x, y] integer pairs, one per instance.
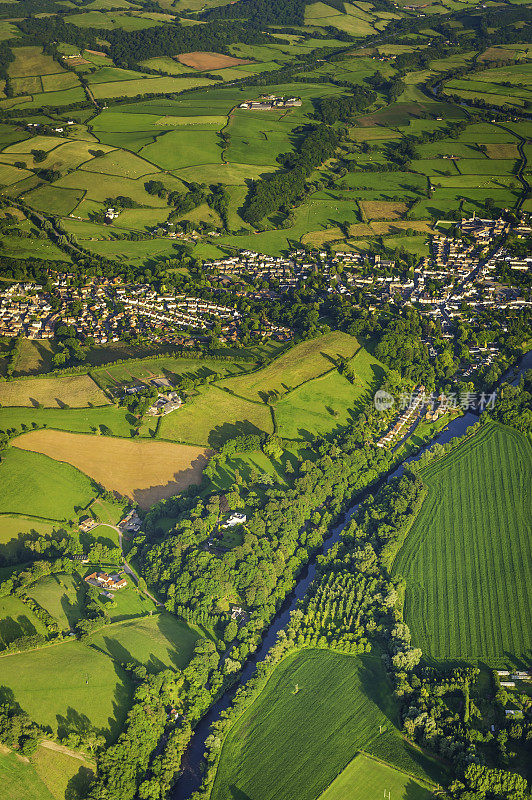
{"points": [[144, 470], [202, 60]]}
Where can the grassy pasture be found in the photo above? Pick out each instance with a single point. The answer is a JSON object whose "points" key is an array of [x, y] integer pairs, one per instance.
{"points": [[37, 485], [77, 391], [177, 149], [364, 777], [158, 641], [98, 186], [60, 595], [61, 773], [214, 416], [19, 779], [32, 61], [58, 82], [144, 369], [120, 162], [273, 749], [131, 88], [92, 687], [322, 404], [300, 364], [467, 559], [104, 419], [146, 471], [53, 199], [16, 620], [13, 530]]}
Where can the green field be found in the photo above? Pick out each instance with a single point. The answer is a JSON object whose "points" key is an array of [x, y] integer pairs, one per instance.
{"points": [[143, 369], [214, 416], [365, 778], [78, 420], [91, 687], [61, 595], [19, 779], [275, 746], [64, 775], [16, 620], [159, 641], [324, 403], [37, 485], [301, 363], [13, 530], [467, 560]]}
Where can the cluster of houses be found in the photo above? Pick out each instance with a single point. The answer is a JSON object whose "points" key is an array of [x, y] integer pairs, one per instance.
{"points": [[104, 310], [405, 419], [165, 404], [507, 679], [130, 523], [270, 102]]}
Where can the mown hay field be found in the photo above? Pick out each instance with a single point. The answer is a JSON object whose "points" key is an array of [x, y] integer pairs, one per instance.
{"points": [[62, 774], [207, 61], [73, 390], [292, 744], [19, 779], [146, 471], [301, 363], [364, 778], [467, 560]]}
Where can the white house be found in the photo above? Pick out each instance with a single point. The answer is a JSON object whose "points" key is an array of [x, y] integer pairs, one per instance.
{"points": [[235, 519]]}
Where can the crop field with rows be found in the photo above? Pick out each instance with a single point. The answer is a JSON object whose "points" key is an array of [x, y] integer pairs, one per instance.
{"points": [[468, 559]]}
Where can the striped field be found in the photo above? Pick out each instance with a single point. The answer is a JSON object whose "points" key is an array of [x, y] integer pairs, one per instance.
{"points": [[467, 561]]}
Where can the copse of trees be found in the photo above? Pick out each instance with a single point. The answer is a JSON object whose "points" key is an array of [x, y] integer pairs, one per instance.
{"points": [[342, 108], [261, 13], [267, 195]]}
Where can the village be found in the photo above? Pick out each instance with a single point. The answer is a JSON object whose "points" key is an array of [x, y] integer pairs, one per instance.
{"points": [[460, 277], [104, 310]]}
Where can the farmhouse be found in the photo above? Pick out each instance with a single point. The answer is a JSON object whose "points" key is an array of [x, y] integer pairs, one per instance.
{"points": [[86, 524], [165, 404], [102, 579], [131, 522]]}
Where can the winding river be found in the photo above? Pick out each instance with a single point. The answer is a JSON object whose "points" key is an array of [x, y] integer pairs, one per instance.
{"points": [[191, 779]]}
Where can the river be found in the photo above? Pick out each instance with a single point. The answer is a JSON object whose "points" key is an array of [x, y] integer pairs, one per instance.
{"points": [[191, 779]]}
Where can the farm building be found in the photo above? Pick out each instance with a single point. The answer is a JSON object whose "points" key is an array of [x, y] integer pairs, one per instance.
{"points": [[102, 579]]}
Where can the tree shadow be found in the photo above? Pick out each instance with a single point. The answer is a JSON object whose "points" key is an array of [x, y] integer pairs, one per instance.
{"points": [[229, 430], [75, 723], [78, 786], [117, 651], [11, 629], [238, 794]]}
